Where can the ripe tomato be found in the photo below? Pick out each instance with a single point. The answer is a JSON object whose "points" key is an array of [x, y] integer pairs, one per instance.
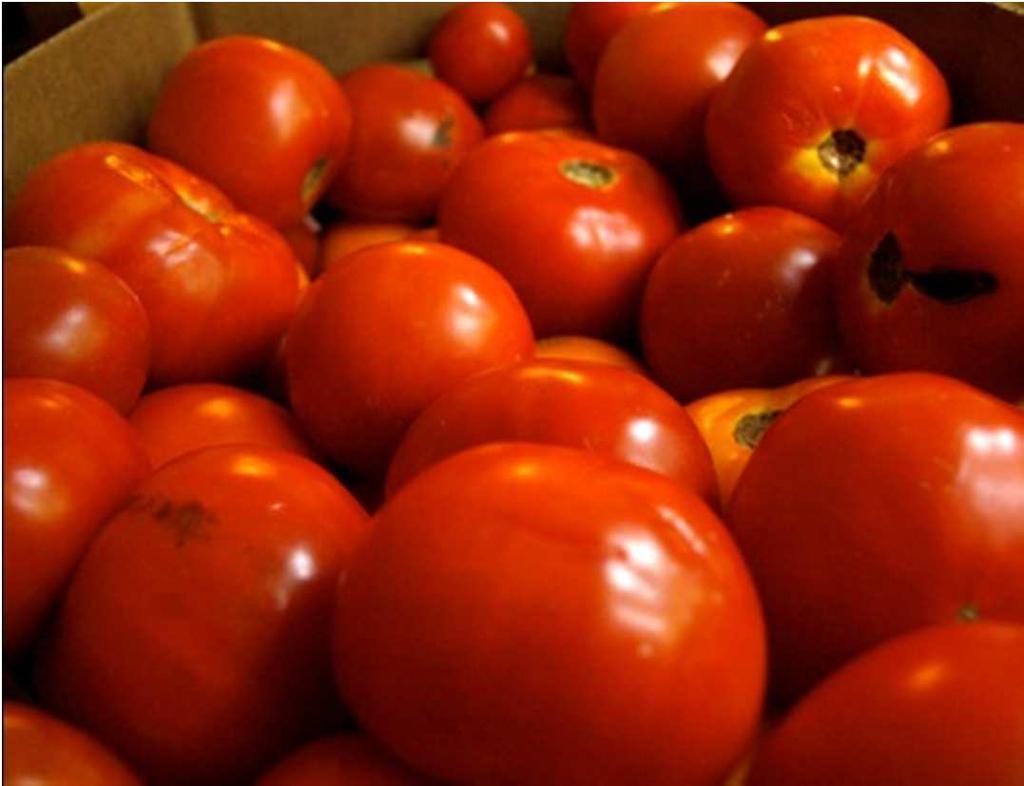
{"points": [[878, 506], [341, 760], [939, 706], [219, 286], [611, 411], [589, 350], [204, 606], [742, 300], [537, 102], [40, 750], [481, 49], [574, 225], [590, 27], [304, 240], [264, 122], [71, 319], [931, 274], [347, 237], [409, 133], [815, 110], [70, 460]]}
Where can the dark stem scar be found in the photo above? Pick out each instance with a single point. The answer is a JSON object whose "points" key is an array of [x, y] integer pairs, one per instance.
{"points": [[842, 152], [187, 521], [443, 133], [751, 427]]}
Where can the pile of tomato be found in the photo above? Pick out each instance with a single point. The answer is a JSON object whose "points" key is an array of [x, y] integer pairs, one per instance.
{"points": [[448, 422]]}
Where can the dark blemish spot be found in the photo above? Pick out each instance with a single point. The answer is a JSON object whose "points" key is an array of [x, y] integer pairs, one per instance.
{"points": [[886, 273], [443, 133]]}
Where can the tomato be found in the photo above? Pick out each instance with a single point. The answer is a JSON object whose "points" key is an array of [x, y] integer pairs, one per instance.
{"points": [[264, 122], [204, 606], [590, 350], [40, 750], [341, 760], [304, 240], [574, 225], [410, 132], [939, 706], [71, 319], [70, 460], [481, 49], [611, 411], [878, 506], [817, 109], [539, 101], [931, 275], [742, 300], [590, 27], [516, 603], [219, 286], [732, 423], [347, 237]]}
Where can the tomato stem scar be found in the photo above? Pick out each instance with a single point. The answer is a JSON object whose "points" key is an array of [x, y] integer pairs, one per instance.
{"points": [[587, 173], [842, 152]]}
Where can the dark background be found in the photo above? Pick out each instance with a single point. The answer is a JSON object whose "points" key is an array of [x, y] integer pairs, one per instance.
{"points": [[28, 24]]}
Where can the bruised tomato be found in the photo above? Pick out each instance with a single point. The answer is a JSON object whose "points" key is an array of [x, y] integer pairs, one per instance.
{"points": [[537, 102], [347, 237], [341, 760], [589, 350], [590, 27]]}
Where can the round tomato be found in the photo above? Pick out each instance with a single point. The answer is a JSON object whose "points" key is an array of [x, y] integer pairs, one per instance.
{"points": [[931, 274], [939, 706], [69, 462], [537, 102], [264, 122], [341, 760], [815, 110], [877, 506], [219, 286], [574, 226], [590, 27], [347, 237], [589, 350], [409, 133], [204, 606], [741, 301], [71, 319], [304, 239]]}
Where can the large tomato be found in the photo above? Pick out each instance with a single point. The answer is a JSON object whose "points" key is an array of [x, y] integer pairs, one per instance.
{"points": [[537, 102], [69, 462], [815, 110], [219, 286], [590, 350], [574, 225], [931, 274], [743, 300], [939, 706], [534, 615], [341, 760], [265, 123], [590, 27], [71, 319], [877, 506]]}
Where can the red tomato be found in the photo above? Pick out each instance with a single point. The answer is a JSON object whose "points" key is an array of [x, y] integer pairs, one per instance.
{"points": [[931, 275], [815, 110], [304, 239], [741, 301], [589, 29], [40, 750], [219, 286], [878, 506], [264, 122], [481, 49], [575, 226], [71, 319], [409, 133], [204, 607], [515, 603], [69, 462], [341, 760], [347, 237], [939, 706], [590, 350], [537, 102]]}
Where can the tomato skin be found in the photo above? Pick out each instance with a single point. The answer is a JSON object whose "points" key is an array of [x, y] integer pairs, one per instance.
{"points": [[304, 240], [40, 750], [347, 237], [587, 350], [73, 320], [218, 285], [69, 461], [575, 226], [769, 125], [345, 760], [264, 122], [742, 300], [941, 705], [868, 458], [537, 102], [204, 605], [590, 27], [409, 132], [954, 204]]}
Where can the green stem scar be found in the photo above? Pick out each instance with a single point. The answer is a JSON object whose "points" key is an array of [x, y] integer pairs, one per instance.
{"points": [[587, 173], [751, 427]]}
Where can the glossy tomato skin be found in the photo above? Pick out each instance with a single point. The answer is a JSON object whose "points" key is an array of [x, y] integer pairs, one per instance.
{"points": [[537, 102], [409, 132], [515, 602], [347, 237], [931, 274], [380, 337], [218, 285], [587, 350], [817, 109], [74, 320], [590, 27], [743, 300], [574, 225], [264, 122], [481, 49], [877, 506], [40, 750], [70, 460], [941, 705], [204, 606], [341, 760]]}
